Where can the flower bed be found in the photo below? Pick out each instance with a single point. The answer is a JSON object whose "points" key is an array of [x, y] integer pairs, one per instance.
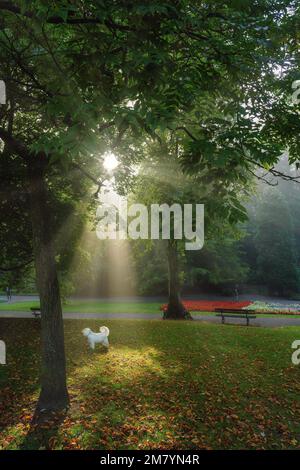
{"points": [[259, 307], [209, 305], [274, 308]]}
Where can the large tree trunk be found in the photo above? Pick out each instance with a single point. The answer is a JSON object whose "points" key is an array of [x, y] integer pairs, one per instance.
{"points": [[54, 394], [175, 309]]}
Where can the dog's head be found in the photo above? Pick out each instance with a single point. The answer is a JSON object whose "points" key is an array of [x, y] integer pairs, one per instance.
{"points": [[86, 331]]}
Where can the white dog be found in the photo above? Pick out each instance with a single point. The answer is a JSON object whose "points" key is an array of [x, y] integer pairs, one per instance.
{"points": [[94, 338]]}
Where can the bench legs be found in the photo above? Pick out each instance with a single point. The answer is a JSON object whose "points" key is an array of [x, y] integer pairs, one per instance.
{"points": [[223, 320]]}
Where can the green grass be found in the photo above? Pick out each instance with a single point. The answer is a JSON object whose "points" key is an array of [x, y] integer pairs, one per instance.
{"points": [[90, 306], [165, 385]]}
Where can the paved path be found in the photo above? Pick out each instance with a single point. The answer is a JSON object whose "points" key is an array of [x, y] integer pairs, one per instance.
{"points": [[269, 322], [212, 297]]}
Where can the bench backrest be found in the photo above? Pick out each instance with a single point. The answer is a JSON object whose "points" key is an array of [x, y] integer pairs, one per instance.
{"points": [[233, 310]]}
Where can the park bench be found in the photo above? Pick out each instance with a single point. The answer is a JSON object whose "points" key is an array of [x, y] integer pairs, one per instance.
{"points": [[235, 313], [36, 311]]}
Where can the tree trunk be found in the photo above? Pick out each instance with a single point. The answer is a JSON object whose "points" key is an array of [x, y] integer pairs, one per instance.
{"points": [[54, 394], [175, 309]]}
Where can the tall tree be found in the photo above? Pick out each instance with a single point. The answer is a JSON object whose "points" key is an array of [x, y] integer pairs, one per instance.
{"points": [[166, 183]]}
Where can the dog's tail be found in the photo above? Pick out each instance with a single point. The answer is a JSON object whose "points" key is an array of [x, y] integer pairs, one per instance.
{"points": [[104, 329]]}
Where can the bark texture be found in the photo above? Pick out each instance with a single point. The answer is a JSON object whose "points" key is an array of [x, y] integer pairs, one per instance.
{"points": [[54, 394], [175, 309]]}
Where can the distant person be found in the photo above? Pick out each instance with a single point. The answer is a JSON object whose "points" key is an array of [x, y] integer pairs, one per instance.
{"points": [[236, 292], [8, 293]]}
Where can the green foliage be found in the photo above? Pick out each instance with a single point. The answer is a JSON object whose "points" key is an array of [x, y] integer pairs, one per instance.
{"points": [[86, 77], [150, 267], [276, 260], [219, 265]]}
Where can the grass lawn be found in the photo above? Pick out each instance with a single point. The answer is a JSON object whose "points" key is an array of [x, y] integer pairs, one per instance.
{"points": [[92, 306], [165, 385]]}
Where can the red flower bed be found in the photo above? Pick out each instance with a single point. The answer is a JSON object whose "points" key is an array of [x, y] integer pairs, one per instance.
{"points": [[209, 305]]}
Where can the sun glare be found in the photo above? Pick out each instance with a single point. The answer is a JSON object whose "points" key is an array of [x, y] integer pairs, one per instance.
{"points": [[110, 161]]}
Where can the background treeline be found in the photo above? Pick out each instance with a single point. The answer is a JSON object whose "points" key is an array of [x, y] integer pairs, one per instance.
{"points": [[262, 256]]}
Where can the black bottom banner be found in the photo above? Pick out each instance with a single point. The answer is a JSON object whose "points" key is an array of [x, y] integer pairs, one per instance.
{"points": [[135, 459]]}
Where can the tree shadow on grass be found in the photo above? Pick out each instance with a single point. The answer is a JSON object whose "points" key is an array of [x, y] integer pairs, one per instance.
{"points": [[19, 384], [19, 377], [43, 431], [162, 385]]}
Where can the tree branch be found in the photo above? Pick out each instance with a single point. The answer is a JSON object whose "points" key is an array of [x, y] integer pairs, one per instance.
{"points": [[11, 7], [272, 170], [15, 268], [106, 125], [14, 144], [183, 128], [119, 137], [263, 179], [99, 183]]}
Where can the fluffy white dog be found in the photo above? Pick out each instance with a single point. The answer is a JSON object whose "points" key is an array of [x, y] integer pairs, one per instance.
{"points": [[94, 338]]}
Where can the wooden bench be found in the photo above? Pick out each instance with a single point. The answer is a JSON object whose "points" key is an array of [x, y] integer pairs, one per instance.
{"points": [[36, 311], [235, 313]]}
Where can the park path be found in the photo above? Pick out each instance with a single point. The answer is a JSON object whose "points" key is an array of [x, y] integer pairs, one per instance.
{"points": [[270, 322], [162, 299]]}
